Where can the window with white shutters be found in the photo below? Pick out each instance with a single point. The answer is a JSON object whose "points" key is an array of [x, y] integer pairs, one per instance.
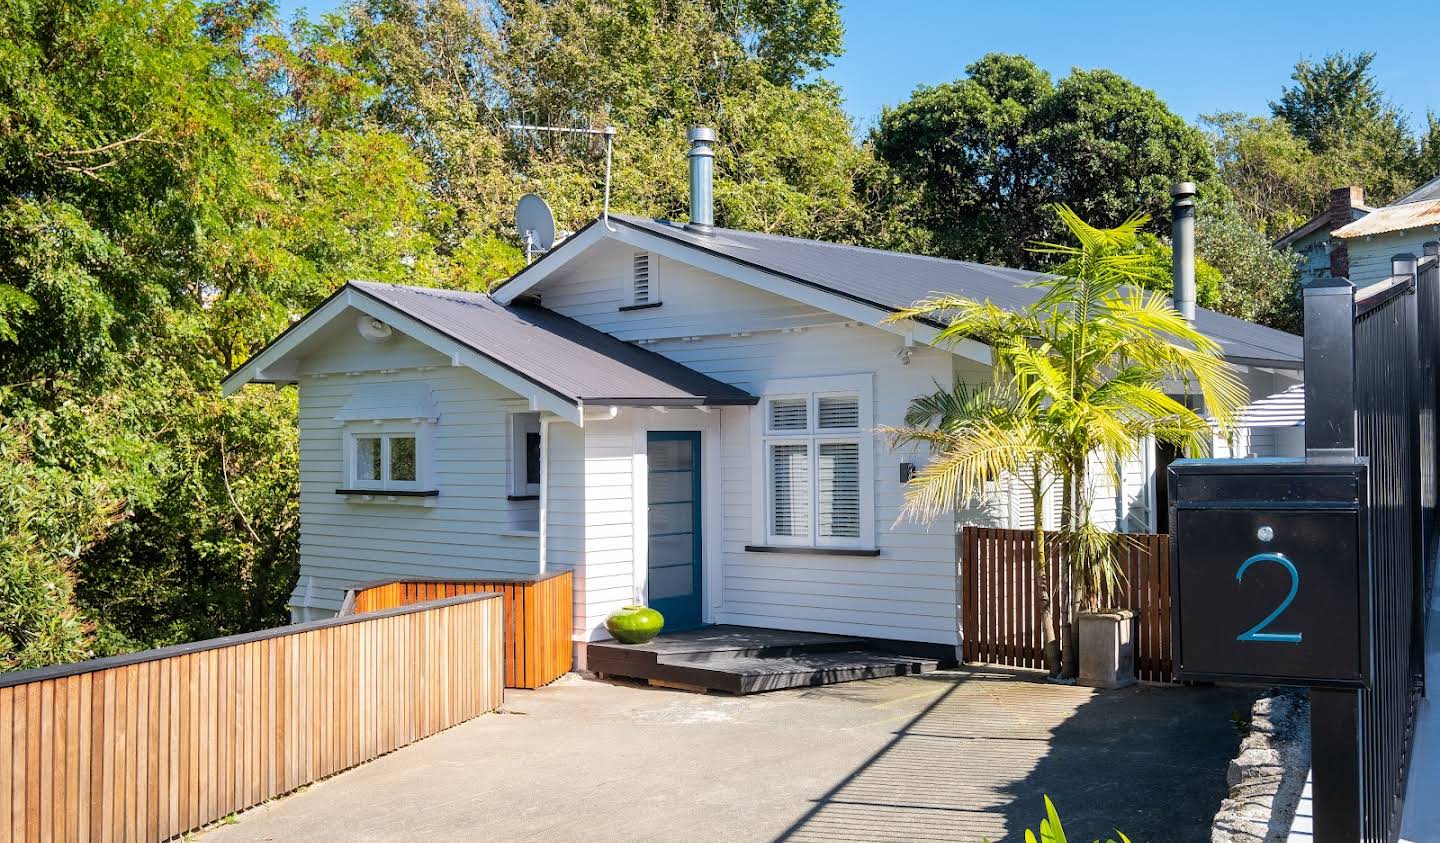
{"points": [[838, 482], [816, 488]]}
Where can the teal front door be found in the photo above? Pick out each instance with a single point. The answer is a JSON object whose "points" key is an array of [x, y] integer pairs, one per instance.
{"points": [[673, 558]]}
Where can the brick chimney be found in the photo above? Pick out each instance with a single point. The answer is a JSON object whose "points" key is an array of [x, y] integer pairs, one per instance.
{"points": [[1340, 211]]}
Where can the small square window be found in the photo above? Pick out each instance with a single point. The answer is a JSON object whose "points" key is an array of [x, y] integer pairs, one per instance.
{"points": [[385, 460]]}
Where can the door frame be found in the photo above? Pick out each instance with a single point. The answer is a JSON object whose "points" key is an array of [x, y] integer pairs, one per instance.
{"points": [[711, 428]]}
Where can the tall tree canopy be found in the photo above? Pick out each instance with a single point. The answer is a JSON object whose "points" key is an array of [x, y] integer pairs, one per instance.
{"points": [[180, 182], [454, 77], [1331, 127], [988, 153]]}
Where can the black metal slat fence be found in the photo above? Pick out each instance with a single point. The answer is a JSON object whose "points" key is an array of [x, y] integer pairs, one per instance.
{"points": [[1363, 739]]}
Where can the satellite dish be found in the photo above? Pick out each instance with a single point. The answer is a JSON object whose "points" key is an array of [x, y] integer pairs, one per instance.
{"points": [[535, 223]]}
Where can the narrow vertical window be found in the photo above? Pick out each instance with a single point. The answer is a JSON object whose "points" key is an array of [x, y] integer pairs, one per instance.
{"points": [[525, 448]]}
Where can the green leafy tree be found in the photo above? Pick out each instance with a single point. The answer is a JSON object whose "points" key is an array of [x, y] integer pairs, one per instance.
{"points": [[1092, 363], [177, 184], [1276, 180], [454, 77], [990, 152], [1331, 127], [1258, 282]]}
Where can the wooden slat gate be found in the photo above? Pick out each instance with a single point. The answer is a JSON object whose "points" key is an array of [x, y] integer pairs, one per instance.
{"points": [[998, 599], [539, 611]]}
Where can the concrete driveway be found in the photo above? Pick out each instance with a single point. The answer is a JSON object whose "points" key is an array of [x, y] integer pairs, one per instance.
{"points": [[955, 755]]}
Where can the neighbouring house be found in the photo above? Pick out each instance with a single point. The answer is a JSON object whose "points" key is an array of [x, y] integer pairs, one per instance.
{"points": [[1323, 253], [1403, 227], [681, 414]]}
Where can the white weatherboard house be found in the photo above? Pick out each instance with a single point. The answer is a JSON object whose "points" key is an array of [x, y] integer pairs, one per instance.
{"points": [[682, 415]]}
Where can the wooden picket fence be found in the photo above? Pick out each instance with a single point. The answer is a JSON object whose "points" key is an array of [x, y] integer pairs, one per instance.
{"points": [[539, 610], [149, 745], [998, 600]]}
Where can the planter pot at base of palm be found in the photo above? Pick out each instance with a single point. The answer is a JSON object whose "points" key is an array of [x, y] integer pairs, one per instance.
{"points": [[1107, 648], [634, 624]]}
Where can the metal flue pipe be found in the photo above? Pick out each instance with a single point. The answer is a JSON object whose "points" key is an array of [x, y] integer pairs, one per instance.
{"points": [[1182, 247], [702, 179]]}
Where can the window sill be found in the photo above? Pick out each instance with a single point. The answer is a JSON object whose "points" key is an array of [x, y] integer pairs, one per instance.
{"points": [[399, 497], [806, 550], [629, 307], [522, 497]]}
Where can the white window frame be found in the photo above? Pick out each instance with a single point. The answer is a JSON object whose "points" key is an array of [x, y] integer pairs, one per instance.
{"points": [[520, 425], [813, 389], [422, 431], [654, 266]]}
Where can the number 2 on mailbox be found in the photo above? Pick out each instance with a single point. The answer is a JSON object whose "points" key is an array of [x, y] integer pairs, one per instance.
{"points": [[1256, 633]]}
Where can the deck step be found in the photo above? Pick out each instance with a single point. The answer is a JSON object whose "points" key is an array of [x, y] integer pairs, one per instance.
{"points": [[744, 660], [750, 675]]}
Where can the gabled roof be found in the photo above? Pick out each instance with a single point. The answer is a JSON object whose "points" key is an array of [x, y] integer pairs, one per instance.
{"points": [[891, 281], [568, 360], [1319, 222], [1418, 208]]}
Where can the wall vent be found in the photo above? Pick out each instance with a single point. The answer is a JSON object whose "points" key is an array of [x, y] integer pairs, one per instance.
{"points": [[642, 282]]}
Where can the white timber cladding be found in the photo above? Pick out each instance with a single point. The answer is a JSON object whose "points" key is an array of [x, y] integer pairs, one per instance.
{"points": [[749, 337], [466, 530], [696, 303]]}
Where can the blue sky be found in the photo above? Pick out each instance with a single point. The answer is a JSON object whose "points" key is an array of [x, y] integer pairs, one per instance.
{"points": [[1200, 57]]}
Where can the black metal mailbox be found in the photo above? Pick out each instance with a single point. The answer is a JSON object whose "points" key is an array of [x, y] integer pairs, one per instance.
{"points": [[1270, 572]]}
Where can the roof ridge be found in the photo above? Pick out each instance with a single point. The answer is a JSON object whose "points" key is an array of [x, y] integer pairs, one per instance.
{"points": [[830, 244], [460, 296]]}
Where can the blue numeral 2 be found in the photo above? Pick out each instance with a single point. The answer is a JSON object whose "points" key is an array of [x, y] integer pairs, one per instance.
{"points": [[1254, 633]]}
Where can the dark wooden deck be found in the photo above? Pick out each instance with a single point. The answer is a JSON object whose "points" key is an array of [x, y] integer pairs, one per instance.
{"points": [[748, 660]]}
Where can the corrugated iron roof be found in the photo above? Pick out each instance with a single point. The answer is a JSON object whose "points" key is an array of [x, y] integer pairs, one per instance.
{"points": [[896, 280], [556, 352], [1415, 214]]}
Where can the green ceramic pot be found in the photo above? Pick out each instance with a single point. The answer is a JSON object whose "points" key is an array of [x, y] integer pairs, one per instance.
{"points": [[634, 624]]}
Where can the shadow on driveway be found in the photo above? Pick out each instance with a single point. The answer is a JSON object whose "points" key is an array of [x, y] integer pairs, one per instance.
{"points": [[977, 761]]}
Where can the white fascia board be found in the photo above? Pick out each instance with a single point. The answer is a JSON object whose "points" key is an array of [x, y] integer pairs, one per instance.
{"points": [[270, 365], [779, 285], [273, 359], [562, 255]]}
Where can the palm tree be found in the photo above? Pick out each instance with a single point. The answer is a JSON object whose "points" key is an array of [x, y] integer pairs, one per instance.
{"points": [[980, 434], [1084, 375]]}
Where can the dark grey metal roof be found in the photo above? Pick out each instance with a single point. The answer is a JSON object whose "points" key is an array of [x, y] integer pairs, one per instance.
{"points": [[895, 280], [1427, 192], [563, 356]]}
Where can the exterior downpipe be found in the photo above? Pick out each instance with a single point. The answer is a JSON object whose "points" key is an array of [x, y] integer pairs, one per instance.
{"points": [[1182, 247], [702, 179]]}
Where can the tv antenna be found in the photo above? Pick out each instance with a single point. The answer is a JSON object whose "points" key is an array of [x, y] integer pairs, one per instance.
{"points": [[536, 225], [608, 133]]}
